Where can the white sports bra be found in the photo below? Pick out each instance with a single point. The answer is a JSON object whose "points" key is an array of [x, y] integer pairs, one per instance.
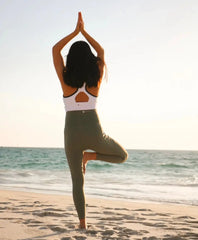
{"points": [[71, 104]]}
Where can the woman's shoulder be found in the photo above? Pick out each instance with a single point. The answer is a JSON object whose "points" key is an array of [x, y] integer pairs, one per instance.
{"points": [[94, 90], [68, 90]]}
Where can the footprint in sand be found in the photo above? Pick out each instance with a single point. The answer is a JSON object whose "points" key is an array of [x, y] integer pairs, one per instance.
{"points": [[131, 232], [191, 235], [109, 212], [49, 214], [53, 209], [55, 228], [160, 225], [111, 219], [67, 238], [125, 209], [31, 221], [3, 208], [79, 238], [108, 232], [92, 232], [149, 214], [185, 217], [5, 203], [155, 238], [142, 210]]}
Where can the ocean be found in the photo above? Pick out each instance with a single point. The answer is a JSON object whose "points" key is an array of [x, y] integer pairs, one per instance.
{"points": [[147, 175]]}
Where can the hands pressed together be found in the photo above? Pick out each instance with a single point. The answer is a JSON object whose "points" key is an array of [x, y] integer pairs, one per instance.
{"points": [[56, 50], [80, 28], [80, 24]]}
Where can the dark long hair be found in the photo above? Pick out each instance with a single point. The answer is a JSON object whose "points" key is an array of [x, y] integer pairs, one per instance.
{"points": [[81, 66]]}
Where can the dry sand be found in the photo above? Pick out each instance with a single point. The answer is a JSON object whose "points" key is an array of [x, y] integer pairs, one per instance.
{"points": [[33, 216]]}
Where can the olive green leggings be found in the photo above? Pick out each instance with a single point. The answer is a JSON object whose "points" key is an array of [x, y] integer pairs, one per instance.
{"points": [[83, 131]]}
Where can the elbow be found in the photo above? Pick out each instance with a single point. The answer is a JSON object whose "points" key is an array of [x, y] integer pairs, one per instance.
{"points": [[102, 51], [55, 50], [101, 54], [54, 47]]}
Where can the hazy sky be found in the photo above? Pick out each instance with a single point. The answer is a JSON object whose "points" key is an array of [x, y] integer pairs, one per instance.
{"points": [[151, 98]]}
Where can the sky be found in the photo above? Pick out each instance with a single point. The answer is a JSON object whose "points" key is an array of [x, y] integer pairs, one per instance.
{"points": [[150, 100]]}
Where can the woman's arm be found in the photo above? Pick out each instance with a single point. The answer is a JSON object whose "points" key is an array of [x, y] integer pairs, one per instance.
{"points": [[56, 51], [93, 42], [96, 46]]}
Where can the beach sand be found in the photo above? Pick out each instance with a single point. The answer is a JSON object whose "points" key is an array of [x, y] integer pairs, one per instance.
{"points": [[29, 216]]}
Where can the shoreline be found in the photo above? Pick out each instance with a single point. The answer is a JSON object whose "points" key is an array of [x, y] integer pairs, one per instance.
{"points": [[129, 200], [95, 196], [30, 215]]}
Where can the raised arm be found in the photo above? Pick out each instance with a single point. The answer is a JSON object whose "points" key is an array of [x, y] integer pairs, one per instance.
{"points": [[56, 51], [93, 42]]}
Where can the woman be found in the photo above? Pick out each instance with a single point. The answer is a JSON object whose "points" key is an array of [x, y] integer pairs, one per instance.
{"points": [[80, 79]]}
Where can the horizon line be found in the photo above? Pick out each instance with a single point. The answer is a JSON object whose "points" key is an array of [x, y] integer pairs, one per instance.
{"points": [[135, 149]]}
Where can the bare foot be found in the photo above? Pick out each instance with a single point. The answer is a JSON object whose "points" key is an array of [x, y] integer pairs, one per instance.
{"points": [[87, 156], [83, 224]]}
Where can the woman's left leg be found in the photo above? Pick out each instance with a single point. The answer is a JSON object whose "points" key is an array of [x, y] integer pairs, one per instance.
{"points": [[74, 157]]}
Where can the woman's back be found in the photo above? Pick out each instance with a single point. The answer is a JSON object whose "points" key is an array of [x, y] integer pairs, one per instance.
{"points": [[80, 98]]}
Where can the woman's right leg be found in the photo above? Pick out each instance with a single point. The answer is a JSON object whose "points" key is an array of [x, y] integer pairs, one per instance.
{"points": [[105, 148], [109, 150]]}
